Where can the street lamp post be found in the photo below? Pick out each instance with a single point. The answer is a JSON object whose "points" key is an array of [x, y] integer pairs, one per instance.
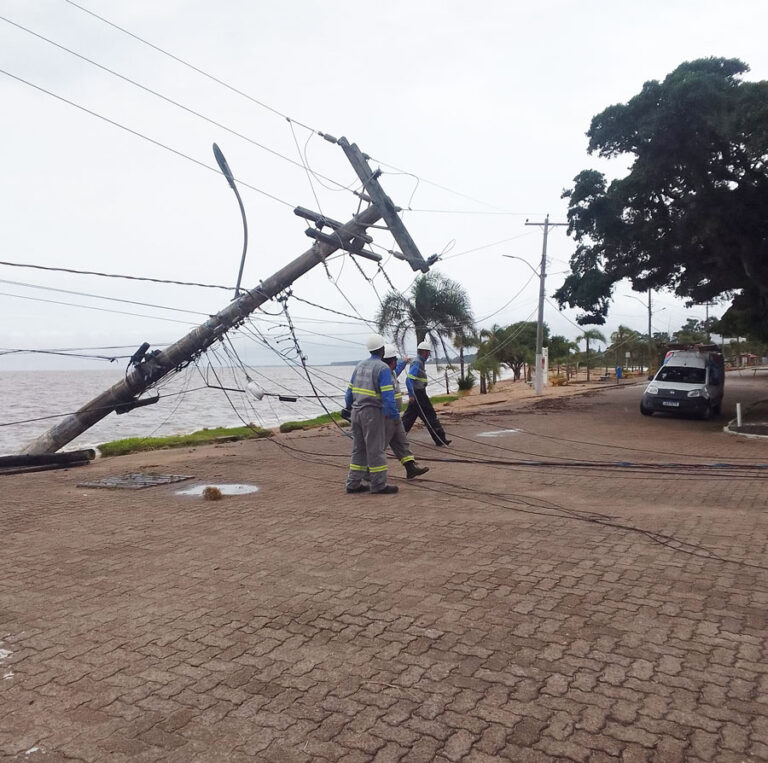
{"points": [[227, 172], [650, 328]]}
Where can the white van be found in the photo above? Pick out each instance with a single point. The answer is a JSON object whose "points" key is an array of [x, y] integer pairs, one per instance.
{"points": [[689, 382]]}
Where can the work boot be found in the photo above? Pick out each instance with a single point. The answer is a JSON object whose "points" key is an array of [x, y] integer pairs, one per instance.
{"points": [[387, 490], [358, 489], [412, 469]]}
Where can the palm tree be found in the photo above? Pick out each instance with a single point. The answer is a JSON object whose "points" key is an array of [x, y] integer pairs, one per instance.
{"points": [[436, 307], [590, 334], [462, 338]]}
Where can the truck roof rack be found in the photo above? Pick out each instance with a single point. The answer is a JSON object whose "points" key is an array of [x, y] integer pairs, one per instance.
{"points": [[697, 347]]}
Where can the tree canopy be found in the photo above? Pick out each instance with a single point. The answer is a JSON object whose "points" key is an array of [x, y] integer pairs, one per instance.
{"points": [[691, 215]]}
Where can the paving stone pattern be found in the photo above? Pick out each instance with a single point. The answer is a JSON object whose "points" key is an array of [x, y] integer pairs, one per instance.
{"points": [[480, 615]]}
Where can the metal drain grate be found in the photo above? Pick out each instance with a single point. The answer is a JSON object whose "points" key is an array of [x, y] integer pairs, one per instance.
{"points": [[136, 481]]}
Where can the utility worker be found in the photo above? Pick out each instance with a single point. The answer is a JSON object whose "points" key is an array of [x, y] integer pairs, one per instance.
{"points": [[419, 404], [395, 433], [371, 398]]}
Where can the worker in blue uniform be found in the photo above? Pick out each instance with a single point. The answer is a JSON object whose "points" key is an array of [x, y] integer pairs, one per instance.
{"points": [[396, 436], [370, 396], [419, 404]]}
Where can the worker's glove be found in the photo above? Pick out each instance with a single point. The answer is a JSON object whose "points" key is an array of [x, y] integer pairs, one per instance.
{"points": [[346, 414]]}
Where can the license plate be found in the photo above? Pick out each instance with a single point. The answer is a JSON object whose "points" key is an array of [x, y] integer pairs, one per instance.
{"points": [[671, 403]]}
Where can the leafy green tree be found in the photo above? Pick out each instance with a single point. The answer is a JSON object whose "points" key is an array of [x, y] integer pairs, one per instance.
{"points": [[436, 307], [518, 346], [590, 335], [692, 332], [560, 350], [691, 215]]}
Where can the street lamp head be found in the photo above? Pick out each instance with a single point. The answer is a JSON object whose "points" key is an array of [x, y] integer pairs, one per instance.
{"points": [[514, 257], [224, 167]]}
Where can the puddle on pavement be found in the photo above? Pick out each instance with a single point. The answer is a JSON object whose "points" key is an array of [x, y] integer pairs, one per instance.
{"points": [[499, 432], [227, 489]]}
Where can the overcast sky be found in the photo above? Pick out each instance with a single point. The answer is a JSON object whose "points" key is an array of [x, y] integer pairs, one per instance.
{"points": [[490, 100]]}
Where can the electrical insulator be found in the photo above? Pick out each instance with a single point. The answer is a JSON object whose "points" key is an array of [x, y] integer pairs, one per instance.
{"points": [[255, 390]]}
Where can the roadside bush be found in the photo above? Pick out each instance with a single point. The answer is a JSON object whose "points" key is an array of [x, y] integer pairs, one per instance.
{"points": [[201, 437], [466, 382], [292, 426]]}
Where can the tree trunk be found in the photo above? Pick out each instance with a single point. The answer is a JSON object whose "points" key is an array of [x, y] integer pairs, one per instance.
{"points": [[587, 358], [461, 359]]}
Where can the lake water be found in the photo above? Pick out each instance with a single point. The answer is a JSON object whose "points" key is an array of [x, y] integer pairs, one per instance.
{"points": [[183, 406]]}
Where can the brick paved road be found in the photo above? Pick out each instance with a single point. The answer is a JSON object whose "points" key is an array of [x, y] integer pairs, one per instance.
{"points": [[488, 613]]}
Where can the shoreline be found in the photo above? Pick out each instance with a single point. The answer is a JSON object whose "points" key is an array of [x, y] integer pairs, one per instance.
{"points": [[505, 391]]}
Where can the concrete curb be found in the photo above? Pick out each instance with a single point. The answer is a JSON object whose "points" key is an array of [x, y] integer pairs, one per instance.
{"points": [[727, 429]]}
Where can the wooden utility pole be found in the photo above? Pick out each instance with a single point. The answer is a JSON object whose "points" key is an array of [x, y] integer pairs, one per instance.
{"points": [[149, 369]]}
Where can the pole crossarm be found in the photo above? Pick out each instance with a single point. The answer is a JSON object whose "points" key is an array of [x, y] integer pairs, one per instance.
{"points": [[374, 191], [155, 366]]}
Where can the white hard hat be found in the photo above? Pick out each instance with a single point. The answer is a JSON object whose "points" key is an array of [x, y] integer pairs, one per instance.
{"points": [[374, 342], [390, 351], [425, 345]]}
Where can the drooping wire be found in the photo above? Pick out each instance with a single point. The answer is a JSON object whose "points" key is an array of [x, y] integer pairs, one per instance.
{"points": [[189, 65], [113, 275], [93, 307], [78, 355], [165, 98], [262, 104], [102, 296], [486, 246], [284, 300], [252, 329], [473, 494], [143, 137]]}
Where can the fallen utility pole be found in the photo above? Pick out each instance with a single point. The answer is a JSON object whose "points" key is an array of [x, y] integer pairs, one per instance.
{"points": [[151, 368], [375, 194]]}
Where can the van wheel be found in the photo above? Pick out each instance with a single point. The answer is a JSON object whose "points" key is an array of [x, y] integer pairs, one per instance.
{"points": [[707, 414], [716, 410], [645, 411]]}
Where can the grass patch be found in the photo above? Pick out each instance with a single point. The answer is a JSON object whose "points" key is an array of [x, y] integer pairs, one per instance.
{"points": [[319, 421], [443, 398], [202, 437]]}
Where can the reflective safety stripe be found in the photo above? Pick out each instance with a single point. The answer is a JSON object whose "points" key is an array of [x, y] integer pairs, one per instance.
{"points": [[386, 387], [418, 378], [376, 469], [369, 392], [405, 459], [356, 468]]}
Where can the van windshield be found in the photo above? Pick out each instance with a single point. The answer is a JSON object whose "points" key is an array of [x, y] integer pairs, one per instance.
{"points": [[681, 374]]}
